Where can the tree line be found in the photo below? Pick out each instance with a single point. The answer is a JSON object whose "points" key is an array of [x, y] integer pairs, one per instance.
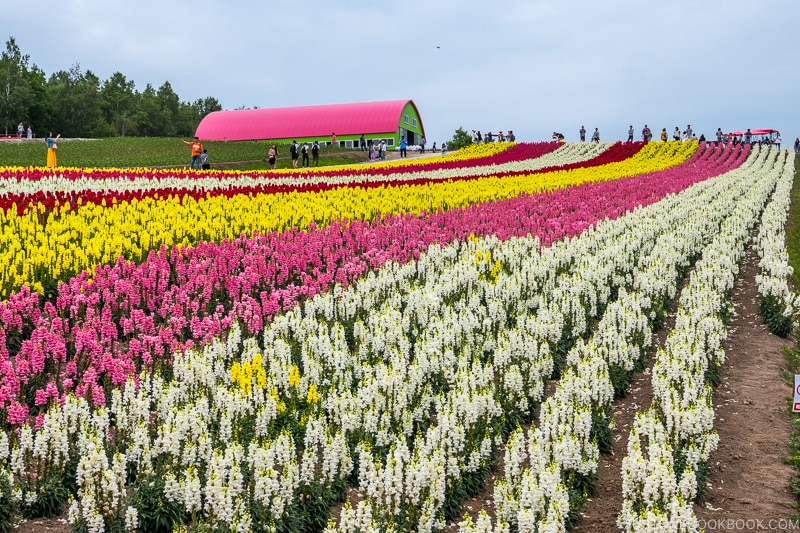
{"points": [[77, 103]]}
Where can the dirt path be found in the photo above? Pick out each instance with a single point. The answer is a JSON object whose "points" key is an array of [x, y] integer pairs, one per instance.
{"points": [[748, 480]]}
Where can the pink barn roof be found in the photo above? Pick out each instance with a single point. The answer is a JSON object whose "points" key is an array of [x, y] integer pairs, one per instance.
{"points": [[305, 121]]}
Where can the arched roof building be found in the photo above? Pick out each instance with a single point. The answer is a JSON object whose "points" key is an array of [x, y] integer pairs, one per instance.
{"points": [[389, 120]]}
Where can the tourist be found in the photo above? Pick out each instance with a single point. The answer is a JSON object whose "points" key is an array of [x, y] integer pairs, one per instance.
{"points": [[596, 135], [403, 147], [197, 149], [295, 152], [664, 134], [304, 151], [204, 160], [52, 146], [582, 133], [315, 152], [273, 156]]}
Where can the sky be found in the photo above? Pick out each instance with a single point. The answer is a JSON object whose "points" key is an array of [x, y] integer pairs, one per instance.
{"points": [[532, 66]]}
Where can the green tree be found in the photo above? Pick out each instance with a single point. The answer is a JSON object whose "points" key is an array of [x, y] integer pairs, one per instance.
{"points": [[148, 113], [460, 139], [76, 103], [15, 88], [169, 104], [202, 107], [118, 97]]}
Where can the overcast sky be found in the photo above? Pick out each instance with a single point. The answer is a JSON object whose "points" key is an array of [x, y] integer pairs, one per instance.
{"points": [[528, 65]]}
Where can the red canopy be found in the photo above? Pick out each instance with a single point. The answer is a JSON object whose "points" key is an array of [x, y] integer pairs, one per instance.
{"points": [[756, 131]]}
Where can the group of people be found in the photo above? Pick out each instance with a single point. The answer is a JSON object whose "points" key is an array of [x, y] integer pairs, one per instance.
{"points": [[22, 132], [199, 155], [296, 150], [582, 133], [478, 137], [377, 151], [747, 138]]}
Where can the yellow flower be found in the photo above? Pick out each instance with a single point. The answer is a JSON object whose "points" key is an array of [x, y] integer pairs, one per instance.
{"points": [[312, 396], [294, 376]]}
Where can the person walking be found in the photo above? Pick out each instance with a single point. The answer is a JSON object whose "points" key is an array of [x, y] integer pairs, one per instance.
{"points": [[304, 151], [719, 136], [582, 133], [797, 145], [422, 145], [20, 130], [204, 164], [315, 153], [777, 140], [596, 135], [630, 133], [52, 146], [30, 132], [197, 149], [382, 150], [333, 138], [273, 156], [295, 152], [362, 143]]}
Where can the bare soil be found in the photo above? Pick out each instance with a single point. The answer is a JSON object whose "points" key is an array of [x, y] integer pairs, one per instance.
{"points": [[748, 480]]}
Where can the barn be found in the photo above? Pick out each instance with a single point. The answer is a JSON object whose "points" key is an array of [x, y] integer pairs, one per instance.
{"points": [[388, 120]]}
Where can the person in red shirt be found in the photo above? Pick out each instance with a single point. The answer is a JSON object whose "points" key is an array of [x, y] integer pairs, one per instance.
{"points": [[197, 150]]}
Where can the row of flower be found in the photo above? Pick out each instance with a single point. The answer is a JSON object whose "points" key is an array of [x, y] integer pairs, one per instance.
{"points": [[69, 181], [102, 329], [779, 305], [40, 248], [489, 154], [404, 376], [670, 442], [552, 467]]}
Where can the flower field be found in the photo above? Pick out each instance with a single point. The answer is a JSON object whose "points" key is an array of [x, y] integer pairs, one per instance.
{"points": [[350, 349]]}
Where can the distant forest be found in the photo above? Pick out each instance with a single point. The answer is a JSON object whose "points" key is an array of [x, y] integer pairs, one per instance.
{"points": [[75, 103]]}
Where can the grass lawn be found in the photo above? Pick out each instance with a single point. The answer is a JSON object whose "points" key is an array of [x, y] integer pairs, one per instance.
{"points": [[160, 152]]}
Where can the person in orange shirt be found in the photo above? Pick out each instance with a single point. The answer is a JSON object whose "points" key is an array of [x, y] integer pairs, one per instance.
{"points": [[197, 150]]}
